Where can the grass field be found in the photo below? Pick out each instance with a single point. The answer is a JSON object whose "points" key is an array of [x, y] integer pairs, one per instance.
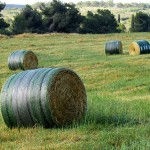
{"points": [[118, 90]]}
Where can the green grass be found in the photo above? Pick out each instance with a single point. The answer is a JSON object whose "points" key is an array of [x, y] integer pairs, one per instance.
{"points": [[118, 90]]}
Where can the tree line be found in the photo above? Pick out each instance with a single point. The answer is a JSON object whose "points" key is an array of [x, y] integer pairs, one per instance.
{"points": [[110, 3], [66, 18]]}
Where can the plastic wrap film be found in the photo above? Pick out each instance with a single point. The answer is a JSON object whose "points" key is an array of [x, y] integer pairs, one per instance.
{"points": [[22, 59], [46, 97], [113, 47], [139, 47]]}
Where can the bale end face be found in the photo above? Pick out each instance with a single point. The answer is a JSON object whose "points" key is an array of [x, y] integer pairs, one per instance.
{"points": [[134, 49], [68, 98], [30, 61], [45, 96]]}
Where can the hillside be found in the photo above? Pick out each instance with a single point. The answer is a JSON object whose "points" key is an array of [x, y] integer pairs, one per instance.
{"points": [[10, 11], [14, 6]]}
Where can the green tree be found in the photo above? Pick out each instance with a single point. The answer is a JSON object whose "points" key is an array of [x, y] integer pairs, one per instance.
{"points": [[141, 22], [132, 24], [28, 21], [61, 17], [101, 22], [122, 28], [120, 5], [118, 18], [3, 24], [88, 3], [95, 4], [37, 5], [110, 3], [80, 4], [102, 3]]}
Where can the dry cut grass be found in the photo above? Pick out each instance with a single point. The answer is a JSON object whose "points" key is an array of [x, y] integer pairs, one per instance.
{"points": [[117, 88]]}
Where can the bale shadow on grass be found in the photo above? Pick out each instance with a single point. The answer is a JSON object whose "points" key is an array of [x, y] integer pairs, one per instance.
{"points": [[116, 113], [115, 120]]}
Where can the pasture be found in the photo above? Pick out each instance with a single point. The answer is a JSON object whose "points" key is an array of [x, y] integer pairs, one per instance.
{"points": [[118, 91]]}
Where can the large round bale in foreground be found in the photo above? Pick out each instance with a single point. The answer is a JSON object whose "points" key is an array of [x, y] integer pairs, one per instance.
{"points": [[46, 97], [139, 47], [22, 59], [113, 47]]}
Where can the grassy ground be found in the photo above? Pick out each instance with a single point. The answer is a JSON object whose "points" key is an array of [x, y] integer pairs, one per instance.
{"points": [[118, 89]]}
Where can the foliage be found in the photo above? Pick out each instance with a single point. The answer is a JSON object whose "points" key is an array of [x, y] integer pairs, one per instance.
{"points": [[110, 3], [101, 22], [118, 18], [37, 5], [141, 22], [61, 17], [121, 28], [56, 16], [29, 20], [132, 24], [5, 32], [3, 24]]}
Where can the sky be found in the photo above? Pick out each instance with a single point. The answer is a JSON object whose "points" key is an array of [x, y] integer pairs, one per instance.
{"points": [[74, 1]]}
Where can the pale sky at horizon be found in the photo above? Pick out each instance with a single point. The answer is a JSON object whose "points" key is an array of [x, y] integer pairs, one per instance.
{"points": [[74, 1]]}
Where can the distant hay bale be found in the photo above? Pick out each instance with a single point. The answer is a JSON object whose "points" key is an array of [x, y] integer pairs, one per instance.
{"points": [[113, 47], [46, 96], [139, 47], [22, 59]]}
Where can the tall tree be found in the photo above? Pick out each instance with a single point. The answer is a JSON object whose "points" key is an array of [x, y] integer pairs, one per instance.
{"points": [[118, 18], [61, 17], [132, 24], [141, 22], [3, 24], [101, 22], [29, 20]]}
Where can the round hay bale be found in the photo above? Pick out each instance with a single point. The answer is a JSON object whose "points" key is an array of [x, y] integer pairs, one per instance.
{"points": [[139, 47], [46, 96], [22, 59], [113, 47]]}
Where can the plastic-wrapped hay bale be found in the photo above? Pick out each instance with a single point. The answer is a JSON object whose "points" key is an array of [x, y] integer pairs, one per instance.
{"points": [[22, 59], [139, 47], [113, 47], [47, 97]]}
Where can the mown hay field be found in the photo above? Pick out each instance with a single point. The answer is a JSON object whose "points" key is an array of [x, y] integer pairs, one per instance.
{"points": [[118, 91]]}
